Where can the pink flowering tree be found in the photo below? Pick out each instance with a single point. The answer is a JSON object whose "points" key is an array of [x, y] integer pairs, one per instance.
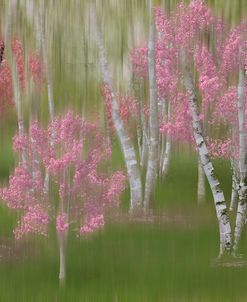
{"points": [[211, 100], [81, 187], [6, 93]]}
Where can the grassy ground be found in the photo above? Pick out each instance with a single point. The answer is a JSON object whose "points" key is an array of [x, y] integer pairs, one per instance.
{"points": [[127, 263], [168, 260]]}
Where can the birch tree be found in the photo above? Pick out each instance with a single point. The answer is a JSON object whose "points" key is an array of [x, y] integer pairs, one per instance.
{"points": [[242, 191], [219, 199], [127, 146], [201, 191], [153, 116], [187, 21]]}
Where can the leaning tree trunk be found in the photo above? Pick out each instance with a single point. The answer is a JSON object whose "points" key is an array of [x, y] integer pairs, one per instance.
{"points": [[125, 141], [219, 199], [242, 192], [201, 191], [153, 118]]}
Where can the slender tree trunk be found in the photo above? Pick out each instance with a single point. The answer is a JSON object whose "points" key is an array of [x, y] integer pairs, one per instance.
{"points": [[161, 150], [14, 72], [18, 105], [41, 33], [219, 199], [125, 141], [62, 258], [201, 190], [153, 117], [242, 192], [168, 148], [137, 89], [234, 193], [145, 141], [8, 23], [40, 25]]}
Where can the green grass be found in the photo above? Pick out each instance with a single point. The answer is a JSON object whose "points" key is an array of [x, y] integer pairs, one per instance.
{"points": [[168, 261], [128, 263]]}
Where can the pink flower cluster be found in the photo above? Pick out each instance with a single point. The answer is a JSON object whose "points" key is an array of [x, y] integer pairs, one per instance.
{"points": [[179, 126], [6, 89], [17, 49], [128, 106], [34, 221], [6, 86], [93, 224], [36, 70], [139, 61], [62, 223], [226, 106], [209, 82], [189, 20], [73, 159], [219, 148]]}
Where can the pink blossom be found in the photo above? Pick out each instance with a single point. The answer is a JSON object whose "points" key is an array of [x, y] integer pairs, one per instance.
{"points": [[61, 223], [17, 49], [74, 162]]}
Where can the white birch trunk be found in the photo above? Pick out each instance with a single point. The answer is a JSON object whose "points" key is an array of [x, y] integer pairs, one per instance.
{"points": [[125, 141], [201, 190], [219, 199], [18, 106], [242, 192], [62, 258], [41, 35], [145, 141], [153, 117], [168, 147], [14, 72], [8, 23], [234, 193]]}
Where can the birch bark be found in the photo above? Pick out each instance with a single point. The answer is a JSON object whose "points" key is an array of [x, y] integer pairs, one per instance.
{"points": [[153, 117], [168, 147], [219, 199], [234, 193], [41, 33], [125, 141], [201, 192], [145, 139], [242, 191], [18, 105], [14, 73], [62, 238], [40, 25]]}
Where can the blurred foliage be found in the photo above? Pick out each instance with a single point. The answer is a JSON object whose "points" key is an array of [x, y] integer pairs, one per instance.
{"points": [[126, 262]]}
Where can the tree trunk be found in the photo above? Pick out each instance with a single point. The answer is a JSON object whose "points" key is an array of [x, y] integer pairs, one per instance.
{"points": [[62, 258], [153, 118], [201, 191], [168, 148], [14, 72], [18, 105], [145, 141], [8, 22], [125, 141], [41, 33], [219, 199], [242, 192], [234, 193]]}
